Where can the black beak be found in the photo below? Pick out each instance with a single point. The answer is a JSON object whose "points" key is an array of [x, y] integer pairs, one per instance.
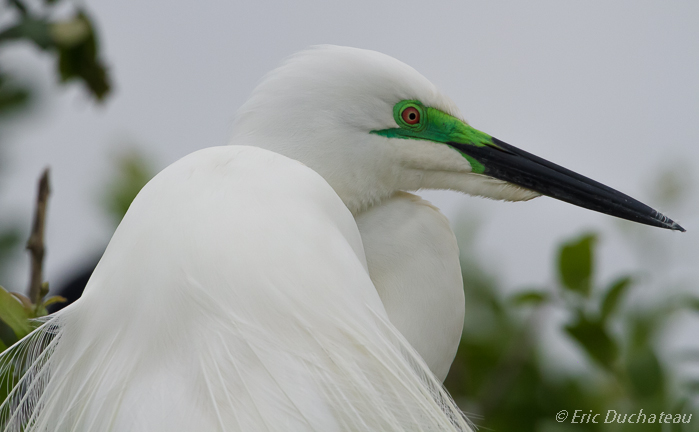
{"points": [[505, 162]]}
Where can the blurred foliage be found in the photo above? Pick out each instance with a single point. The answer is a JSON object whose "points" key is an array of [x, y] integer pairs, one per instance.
{"points": [[13, 97], [674, 185], [500, 376], [134, 170], [72, 40], [9, 242], [64, 30]]}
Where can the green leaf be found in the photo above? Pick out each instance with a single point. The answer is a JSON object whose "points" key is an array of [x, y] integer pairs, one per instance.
{"points": [[530, 298], [613, 295], [644, 372], [74, 41], [54, 299], [24, 300], [79, 59], [691, 303], [12, 96], [37, 31], [575, 264], [40, 311], [13, 314], [594, 339]]}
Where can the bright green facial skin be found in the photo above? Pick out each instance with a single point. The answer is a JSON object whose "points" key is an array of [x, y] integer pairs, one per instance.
{"points": [[437, 126]]}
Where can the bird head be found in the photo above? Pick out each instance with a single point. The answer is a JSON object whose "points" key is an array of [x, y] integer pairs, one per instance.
{"points": [[372, 125]]}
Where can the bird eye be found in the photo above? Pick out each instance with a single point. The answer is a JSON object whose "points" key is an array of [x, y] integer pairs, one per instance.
{"points": [[411, 115]]}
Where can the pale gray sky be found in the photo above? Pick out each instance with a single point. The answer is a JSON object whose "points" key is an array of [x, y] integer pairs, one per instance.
{"points": [[607, 89]]}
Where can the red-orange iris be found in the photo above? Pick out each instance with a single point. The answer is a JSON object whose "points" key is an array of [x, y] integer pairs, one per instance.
{"points": [[411, 115]]}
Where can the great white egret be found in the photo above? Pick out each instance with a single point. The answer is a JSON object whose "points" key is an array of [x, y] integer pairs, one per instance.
{"points": [[288, 282]]}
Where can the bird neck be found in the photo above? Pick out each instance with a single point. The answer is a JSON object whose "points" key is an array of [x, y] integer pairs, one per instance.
{"points": [[361, 176]]}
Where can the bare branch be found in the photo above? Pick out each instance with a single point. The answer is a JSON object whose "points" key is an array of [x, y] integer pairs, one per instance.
{"points": [[35, 244]]}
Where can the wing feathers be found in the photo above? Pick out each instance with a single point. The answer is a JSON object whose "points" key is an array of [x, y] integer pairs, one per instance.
{"points": [[234, 296]]}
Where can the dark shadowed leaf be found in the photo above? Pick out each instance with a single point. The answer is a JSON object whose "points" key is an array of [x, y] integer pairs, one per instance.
{"points": [[575, 264], [74, 40], [691, 303], [79, 60], [12, 96], [644, 372], [594, 339], [613, 295], [36, 30]]}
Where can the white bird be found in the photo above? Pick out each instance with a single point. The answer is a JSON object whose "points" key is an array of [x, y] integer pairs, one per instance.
{"points": [[288, 282]]}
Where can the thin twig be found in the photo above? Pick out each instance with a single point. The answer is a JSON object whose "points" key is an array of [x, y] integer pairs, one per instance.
{"points": [[35, 244]]}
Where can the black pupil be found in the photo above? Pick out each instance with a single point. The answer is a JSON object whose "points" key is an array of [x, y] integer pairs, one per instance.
{"points": [[412, 116]]}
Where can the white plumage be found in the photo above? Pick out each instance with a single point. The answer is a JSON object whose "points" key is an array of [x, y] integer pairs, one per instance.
{"points": [[287, 282], [233, 296], [414, 263]]}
